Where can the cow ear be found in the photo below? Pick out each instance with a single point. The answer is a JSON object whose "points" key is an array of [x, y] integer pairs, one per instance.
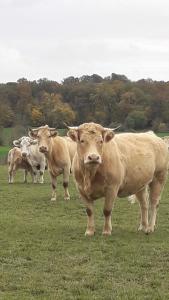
{"points": [[53, 133], [32, 133], [108, 134], [73, 134], [16, 143]]}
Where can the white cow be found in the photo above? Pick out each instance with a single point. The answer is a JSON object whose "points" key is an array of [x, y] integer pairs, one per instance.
{"points": [[30, 152]]}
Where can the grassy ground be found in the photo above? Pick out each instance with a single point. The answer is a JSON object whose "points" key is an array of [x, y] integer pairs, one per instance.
{"points": [[45, 255]]}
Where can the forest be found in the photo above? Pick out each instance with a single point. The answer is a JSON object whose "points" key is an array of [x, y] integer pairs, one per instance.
{"points": [[110, 101]]}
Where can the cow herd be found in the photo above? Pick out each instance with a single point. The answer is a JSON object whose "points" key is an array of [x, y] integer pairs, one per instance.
{"points": [[104, 164]]}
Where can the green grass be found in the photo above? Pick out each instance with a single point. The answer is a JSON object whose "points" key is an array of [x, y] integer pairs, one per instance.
{"points": [[45, 255], [161, 134]]}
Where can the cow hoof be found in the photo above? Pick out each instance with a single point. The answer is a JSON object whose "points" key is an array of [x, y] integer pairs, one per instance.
{"points": [[143, 228], [106, 232], [67, 198], [150, 229], [89, 233], [132, 199], [53, 199]]}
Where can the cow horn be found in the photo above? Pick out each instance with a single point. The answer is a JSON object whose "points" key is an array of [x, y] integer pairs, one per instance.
{"points": [[52, 128], [73, 127], [31, 129], [70, 127], [113, 128]]}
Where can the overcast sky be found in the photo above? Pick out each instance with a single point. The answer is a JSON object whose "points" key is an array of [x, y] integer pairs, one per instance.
{"points": [[60, 38]]}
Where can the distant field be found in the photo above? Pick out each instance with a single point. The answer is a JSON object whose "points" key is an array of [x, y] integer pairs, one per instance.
{"points": [[161, 134], [44, 254]]}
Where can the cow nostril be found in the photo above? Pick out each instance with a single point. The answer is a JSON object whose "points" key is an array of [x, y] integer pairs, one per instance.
{"points": [[43, 148], [93, 157]]}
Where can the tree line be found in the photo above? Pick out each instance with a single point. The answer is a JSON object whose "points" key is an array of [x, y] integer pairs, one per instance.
{"points": [[113, 100]]}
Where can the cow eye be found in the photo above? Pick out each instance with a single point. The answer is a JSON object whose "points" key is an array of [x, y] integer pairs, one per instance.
{"points": [[100, 142], [82, 141]]}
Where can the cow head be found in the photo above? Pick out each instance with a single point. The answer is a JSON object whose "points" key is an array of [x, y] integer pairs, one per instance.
{"points": [[24, 143], [43, 135], [90, 138]]}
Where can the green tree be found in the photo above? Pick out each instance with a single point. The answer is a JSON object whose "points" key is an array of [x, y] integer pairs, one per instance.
{"points": [[136, 120]]}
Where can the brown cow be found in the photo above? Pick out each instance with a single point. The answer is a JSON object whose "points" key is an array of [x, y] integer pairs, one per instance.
{"points": [[59, 152], [109, 165], [15, 162]]}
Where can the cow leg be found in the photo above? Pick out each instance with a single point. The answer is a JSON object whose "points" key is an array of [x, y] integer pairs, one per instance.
{"points": [[12, 172], [142, 198], [90, 230], [66, 174], [41, 172], [156, 188], [10, 175], [53, 181], [35, 177], [41, 180], [25, 176], [108, 206], [32, 176]]}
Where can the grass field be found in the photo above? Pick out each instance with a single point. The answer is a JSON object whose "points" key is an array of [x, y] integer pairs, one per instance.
{"points": [[45, 255]]}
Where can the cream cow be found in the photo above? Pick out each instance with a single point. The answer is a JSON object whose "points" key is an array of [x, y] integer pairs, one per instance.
{"points": [[59, 152], [108, 165]]}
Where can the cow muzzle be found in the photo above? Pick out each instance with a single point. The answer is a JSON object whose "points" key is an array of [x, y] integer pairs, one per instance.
{"points": [[93, 159], [24, 154], [43, 149]]}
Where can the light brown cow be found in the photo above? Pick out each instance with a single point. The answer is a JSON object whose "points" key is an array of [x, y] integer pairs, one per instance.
{"points": [[109, 165], [59, 152], [15, 162]]}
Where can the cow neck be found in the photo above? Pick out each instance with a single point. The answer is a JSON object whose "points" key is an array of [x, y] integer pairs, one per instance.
{"points": [[29, 152], [88, 176], [52, 150]]}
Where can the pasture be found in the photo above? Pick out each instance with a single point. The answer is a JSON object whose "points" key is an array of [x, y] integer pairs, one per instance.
{"points": [[45, 255]]}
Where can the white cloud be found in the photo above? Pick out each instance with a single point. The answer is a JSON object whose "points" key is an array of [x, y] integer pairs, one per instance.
{"points": [[55, 39]]}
